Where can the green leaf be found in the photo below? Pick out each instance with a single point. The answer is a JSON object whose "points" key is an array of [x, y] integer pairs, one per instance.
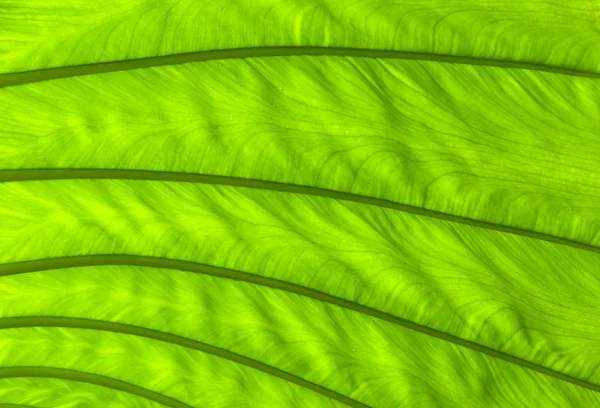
{"points": [[299, 204], [488, 144], [38, 34]]}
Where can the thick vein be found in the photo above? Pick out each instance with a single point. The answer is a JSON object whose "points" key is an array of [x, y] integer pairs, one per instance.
{"points": [[79, 323], [61, 174], [155, 262], [79, 376], [20, 78]]}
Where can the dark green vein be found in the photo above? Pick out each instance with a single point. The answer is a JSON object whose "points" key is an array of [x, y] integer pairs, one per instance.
{"points": [[155, 262], [78, 323], [62, 174], [79, 376], [20, 78], [16, 406]]}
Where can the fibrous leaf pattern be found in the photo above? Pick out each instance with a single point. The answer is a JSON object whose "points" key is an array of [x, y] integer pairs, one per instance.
{"points": [[39, 34], [453, 143], [411, 222]]}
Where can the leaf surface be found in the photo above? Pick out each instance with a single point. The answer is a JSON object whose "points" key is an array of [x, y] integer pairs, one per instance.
{"points": [[466, 282], [37, 34], [278, 203], [487, 144]]}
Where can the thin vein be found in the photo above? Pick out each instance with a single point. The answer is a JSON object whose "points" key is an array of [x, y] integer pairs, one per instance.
{"points": [[18, 175], [46, 74], [102, 325], [79, 376], [194, 267]]}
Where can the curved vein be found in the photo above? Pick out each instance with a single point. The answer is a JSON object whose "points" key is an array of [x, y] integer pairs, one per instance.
{"points": [[13, 175], [79, 376], [46, 74], [194, 267], [102, 325]]}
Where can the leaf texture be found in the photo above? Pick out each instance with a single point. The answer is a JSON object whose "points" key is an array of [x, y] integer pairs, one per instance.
{"points": [[37, 34], [451, 277], [299, 204], [48, 392], [363, 126]]}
